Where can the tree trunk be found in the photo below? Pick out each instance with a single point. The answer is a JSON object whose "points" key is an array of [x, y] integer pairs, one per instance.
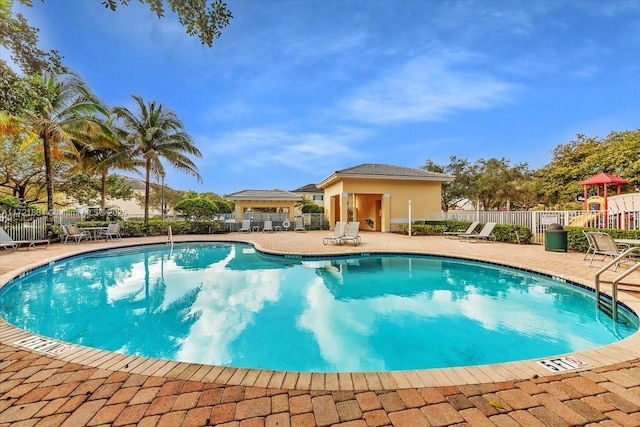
{"points": [[103, 192], [147, 187], [48, 175]]}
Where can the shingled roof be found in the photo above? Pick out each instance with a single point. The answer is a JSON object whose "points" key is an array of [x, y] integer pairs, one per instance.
{"points": [[272, 195], [378, 171]]}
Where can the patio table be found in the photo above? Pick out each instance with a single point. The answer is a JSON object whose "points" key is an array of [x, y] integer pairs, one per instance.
{"points": [[93, 232]]}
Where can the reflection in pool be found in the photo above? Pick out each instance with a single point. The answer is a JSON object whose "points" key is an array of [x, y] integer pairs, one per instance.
{"points": [[227, 304]]}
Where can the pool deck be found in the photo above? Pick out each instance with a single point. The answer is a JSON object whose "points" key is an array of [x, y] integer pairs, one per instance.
{"points": [[83, 386]]}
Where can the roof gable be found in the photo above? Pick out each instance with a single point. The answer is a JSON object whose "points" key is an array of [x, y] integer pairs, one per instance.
{"points": [[382, 171], [263, 195]]}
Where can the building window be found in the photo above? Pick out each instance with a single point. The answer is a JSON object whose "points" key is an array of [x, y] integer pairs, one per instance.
{"points": [[318, 197]]}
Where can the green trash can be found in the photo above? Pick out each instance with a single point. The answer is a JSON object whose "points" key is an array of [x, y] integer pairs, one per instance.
{"points": [[555, 238]]}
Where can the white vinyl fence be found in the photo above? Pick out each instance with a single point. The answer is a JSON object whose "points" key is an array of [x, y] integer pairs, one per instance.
{"points": [[538, 221]]}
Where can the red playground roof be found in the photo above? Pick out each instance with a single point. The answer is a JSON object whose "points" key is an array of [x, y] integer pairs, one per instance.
{"points": [[603, 178]]}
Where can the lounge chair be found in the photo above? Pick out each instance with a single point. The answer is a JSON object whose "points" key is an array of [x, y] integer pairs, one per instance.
{"points": [[485, 234], [338, 233], [605, 245], [72, 231], [592, 246], [246, 226], [113, 230], [351, 233], [267, 226], [298, 225], [454, 234], [7, 241]]}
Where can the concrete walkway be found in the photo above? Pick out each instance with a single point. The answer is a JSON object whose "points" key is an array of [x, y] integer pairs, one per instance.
{"points": [[92, 387]]}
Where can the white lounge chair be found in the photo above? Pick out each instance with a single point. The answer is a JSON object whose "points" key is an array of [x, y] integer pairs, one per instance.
{"points": [[7, 241], [485, 234], [605, 245], [454, 234], [338, 233], [72, 231], [298, 225], [113, 230], [246, 226], [267, 226], [351, 233]]}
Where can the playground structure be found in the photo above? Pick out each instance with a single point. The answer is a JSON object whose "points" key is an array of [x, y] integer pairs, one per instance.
{"points": [[597, 207], [595, 215]]}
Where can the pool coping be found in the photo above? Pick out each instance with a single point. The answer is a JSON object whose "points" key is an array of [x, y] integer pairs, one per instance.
{"points": [[621, 351]]}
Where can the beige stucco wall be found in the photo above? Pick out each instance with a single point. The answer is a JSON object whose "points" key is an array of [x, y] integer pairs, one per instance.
{"points": [[384, 201]]}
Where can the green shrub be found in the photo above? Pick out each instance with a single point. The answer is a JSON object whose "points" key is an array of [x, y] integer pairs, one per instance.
{"points": [[503, 232], [577, 241]]}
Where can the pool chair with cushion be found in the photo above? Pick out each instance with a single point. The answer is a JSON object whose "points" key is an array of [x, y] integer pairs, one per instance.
{"points": [[484, 235], [267, 226], [338, 233], [298, 225], [113, 230], [72, 232], [7, 241], [246, 226], [454, 234], [351, 233], [605, 245]]}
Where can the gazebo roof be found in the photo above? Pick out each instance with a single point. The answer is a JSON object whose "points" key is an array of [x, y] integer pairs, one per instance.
{"points": [[603, 178]]}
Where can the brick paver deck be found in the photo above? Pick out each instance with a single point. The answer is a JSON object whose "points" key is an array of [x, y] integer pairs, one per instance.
{"points": [[95, 388]]}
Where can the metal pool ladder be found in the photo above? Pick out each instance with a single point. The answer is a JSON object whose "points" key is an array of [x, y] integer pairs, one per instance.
{"points": [[612, 306]]}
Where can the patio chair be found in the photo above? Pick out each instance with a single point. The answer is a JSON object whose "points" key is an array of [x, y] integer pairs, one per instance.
{"points": [[485, 234], [454, 234], [7, 241], [592, 245], [605, 245], [298, 225], [246, 226], [72, 231], [267, 226], [338, 233], [351, 233], [113, 230]]}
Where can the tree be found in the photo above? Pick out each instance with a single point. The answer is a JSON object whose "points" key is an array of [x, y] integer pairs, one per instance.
{"points": [[458, 190], [22, 172], [618, 154], [202, 18], [491, 182], [309, 206], [65, 113], [199, 17], [197, 208], [22, 41], [157, 133], [97, 153]]}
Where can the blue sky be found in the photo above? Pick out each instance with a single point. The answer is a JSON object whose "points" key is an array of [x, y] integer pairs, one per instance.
{"points": [[294, 90]]}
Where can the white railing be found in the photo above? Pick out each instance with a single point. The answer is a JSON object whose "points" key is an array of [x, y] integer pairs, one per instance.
{"points": [[538, 221]]}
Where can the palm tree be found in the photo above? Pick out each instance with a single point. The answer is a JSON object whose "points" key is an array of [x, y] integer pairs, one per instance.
{"points": [[157, 133], [64, 113], [97, 154]]}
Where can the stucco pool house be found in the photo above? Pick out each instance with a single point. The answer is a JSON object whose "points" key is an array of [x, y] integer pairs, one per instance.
{"points": [[376, 195]]}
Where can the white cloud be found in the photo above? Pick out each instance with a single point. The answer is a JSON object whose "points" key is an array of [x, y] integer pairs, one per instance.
{"points": [[425, 90], [256, 147]]}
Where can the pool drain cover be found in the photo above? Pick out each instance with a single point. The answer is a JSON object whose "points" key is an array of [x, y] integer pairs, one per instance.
{"points": [[43, 345], [560, 364]]}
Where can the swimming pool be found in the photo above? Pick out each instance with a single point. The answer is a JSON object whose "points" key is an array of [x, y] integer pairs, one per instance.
{"points": [[227, 304]]}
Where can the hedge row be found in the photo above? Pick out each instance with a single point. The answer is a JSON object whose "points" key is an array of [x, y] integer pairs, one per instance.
{"points": [[503, 232], [155, 227]]}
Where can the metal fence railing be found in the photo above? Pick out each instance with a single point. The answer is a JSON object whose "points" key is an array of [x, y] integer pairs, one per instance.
{"points": [[20, 227]]}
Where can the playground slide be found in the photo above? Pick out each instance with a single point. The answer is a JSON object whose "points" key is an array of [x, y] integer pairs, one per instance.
{"points": [[584, 219]]}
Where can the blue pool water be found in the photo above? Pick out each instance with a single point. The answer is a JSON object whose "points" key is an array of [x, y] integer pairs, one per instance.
{"points": [[227, 304]]}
